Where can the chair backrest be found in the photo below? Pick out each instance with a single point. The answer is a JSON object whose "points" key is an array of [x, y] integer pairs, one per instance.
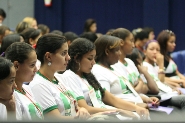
{"points": [[183, 62], [179, 58]]}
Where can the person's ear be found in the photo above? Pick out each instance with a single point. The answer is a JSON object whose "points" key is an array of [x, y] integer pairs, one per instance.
{"points": [[16, 65], [48, 56], [107, 52], [76, 59], [31, 41], [122, 43], [69, 42]]}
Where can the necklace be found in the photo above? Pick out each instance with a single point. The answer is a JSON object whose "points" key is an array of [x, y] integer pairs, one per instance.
{"points": [[61, 89], [25, 94]]}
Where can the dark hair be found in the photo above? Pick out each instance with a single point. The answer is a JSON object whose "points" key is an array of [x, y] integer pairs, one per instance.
{"points": [[89, 35], [148, 30], [3, 29], [2, 13], [18, 51], [48, 43], [44, 28], [21, 26], [141, 35], [162, 39], [58, 32], [109, 32], [88, 24], [105, 42], [77, 49], [121, 33], [5, 66], [70, 36], [134, 56], [8, 40], [30, 33]]}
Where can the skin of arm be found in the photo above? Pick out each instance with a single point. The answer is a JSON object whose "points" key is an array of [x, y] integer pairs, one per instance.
{"points": [[92, 110], [151, 85], [110, 99], [140, 86], [55, 114]]}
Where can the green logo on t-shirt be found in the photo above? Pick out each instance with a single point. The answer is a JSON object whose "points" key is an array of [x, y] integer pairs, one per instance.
{"points": [[33, 109], [66, 103]]}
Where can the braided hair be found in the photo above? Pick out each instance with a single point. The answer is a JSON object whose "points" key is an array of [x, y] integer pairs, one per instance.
{"points": [[77, 49]]}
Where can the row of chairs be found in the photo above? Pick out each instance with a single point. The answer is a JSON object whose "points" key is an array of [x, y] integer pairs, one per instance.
{"points": [[179, 59]]}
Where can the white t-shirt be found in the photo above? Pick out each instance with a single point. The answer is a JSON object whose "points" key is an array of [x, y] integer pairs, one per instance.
{"points": [[172, 67], [51, 96], [153, 71], [129, 70], [3, 110], [26, 106], [80, 87], [114, 83]]}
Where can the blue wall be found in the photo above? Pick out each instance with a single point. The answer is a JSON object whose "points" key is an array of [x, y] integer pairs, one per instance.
{"points": [[70, 15]]}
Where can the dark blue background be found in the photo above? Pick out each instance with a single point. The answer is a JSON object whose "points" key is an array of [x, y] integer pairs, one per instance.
{"points": [[70, 15]]}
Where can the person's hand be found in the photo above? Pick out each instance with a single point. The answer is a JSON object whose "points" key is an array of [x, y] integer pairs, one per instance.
{"points": [[127, 113], [10, 103], [142, 69], [179, 92], [82, 114], [142, 112], [143, 105], [154, 101], [159, 58]]}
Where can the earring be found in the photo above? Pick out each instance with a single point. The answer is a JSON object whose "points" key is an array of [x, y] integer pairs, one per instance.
{"points": [[78, 66], [49, 63]]}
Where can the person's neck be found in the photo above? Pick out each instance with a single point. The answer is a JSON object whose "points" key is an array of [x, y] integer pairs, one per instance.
{"points": [[149, 61], [46, 71], [19, 84], [105, 64], [137, 45], [79, 73], [122, 57]]}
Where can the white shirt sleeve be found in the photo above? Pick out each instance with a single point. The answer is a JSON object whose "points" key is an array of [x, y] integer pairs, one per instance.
{"points": [[74, 85], [103, 81], [19, 109], [3, 115], [44, 97]]}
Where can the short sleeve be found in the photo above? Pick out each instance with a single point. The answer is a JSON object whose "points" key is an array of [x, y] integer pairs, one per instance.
{"points": [[74, 86], [3, 115], [18, 109], [103, 81], [44, 97]]}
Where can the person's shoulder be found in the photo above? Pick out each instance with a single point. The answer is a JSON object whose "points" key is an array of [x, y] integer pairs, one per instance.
{"points": [[97, 69], [129, 61], [146, 63], [38, 80]]}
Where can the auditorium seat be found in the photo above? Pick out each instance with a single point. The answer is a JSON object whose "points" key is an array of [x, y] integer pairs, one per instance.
{"points": [[179, 59]]}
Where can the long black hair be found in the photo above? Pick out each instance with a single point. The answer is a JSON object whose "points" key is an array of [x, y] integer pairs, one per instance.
{"points": [[77, 49], [134, 56]]}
